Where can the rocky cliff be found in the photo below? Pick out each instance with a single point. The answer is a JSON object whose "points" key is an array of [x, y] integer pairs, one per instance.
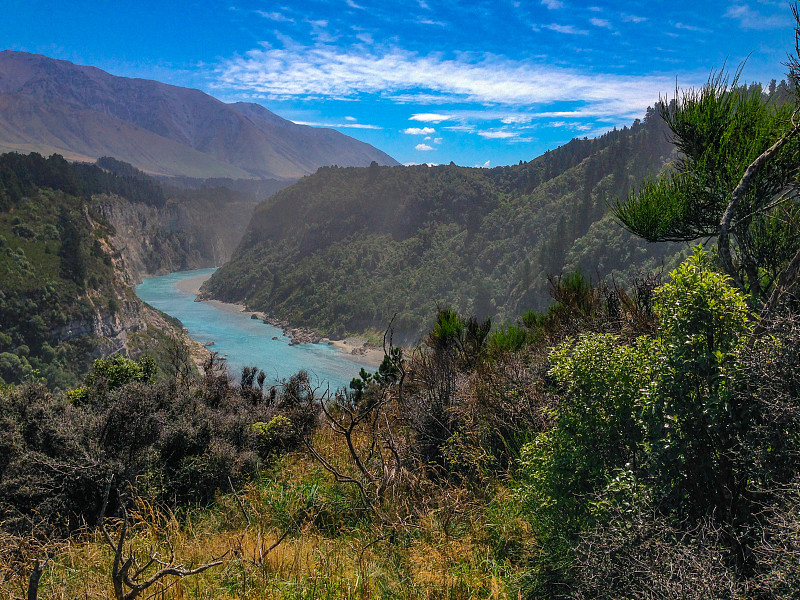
{"points": [[66, 286]]}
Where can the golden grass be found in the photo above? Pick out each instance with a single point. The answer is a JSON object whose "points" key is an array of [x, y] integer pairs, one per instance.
{"points": [[330, 549]]}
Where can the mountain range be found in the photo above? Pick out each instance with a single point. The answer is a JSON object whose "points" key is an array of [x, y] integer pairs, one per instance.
{"points": [[83, 113]]}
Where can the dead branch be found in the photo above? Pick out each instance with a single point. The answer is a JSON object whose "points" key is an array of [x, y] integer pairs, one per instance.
{"points": [[127, 572]]}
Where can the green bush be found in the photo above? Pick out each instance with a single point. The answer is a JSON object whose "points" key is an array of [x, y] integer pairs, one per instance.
{"points": [[597, 429], [692, 418]]}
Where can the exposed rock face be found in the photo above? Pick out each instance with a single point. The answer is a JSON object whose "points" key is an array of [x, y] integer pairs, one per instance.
{"points": [[114, 328], [53, 106], [154, 240], [190, 233], [138, 227]]}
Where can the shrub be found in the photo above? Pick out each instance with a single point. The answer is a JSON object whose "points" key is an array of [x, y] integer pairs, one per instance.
{"points": [[692, 418], [597, 428]]}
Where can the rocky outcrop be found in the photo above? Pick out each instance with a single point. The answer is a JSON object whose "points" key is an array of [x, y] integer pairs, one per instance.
{"points": [[179, 236], [114, 327]]}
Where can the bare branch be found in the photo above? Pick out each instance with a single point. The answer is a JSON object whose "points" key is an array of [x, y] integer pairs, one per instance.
{"points": [[744, 185]]}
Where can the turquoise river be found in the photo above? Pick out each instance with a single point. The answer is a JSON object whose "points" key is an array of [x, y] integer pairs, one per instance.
{"points": [[244, 341]]}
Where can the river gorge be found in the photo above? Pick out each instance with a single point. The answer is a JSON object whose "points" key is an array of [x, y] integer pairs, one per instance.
{"points": [[243, 341]]}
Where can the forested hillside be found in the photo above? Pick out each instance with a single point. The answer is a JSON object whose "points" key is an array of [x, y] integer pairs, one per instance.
{"points": [[66, 294], [345, 249]]}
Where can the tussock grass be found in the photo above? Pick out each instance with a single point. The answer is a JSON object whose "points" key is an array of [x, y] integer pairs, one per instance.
{"points": [[297, 534]]}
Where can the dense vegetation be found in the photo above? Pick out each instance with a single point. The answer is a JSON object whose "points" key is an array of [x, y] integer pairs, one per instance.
{"points": [[66, 272], [345, 249], [57, 274], [635, 441]]}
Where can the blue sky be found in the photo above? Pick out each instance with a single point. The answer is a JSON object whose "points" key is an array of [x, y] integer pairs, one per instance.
{"points": [[480, 83]]}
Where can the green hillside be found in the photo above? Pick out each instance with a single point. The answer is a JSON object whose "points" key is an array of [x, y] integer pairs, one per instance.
{"points": [[344, 250], [66, 296]]}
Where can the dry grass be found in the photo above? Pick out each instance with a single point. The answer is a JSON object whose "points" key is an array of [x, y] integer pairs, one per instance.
{"points": [[329, 548]]}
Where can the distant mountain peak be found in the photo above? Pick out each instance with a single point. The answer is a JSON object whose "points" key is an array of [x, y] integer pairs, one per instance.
{"points": [[54, 106]]}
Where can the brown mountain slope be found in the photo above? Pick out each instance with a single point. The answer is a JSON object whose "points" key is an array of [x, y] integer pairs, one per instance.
{"points": [[49, 106]]}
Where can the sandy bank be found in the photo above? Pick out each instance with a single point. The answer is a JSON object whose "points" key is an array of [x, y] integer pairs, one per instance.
{"points": [[353, 348], [192, 285], [356, 350]]}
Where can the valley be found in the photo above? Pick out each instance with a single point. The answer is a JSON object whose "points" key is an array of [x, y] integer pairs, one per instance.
{"points": [[243, 357], [243, 341]]}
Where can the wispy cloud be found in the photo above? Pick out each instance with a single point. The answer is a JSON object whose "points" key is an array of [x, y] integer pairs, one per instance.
{"points": [[319, 29], [429, 117], [498, 135], [365, 37], [461, 128], [419, 131], [632, 18], [601, 23], [275, 16], [553, 4], [352, 4], [327, 71], [695, 28], [569, 29], [752, 19], [423, 147], [348, 125], [516, 119]]}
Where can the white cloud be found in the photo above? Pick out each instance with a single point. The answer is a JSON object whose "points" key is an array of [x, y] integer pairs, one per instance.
{"points": [[319, 30], [352, 4], [553, 4], [429, 117], [569, 29], [633, 18], [461, 128], [350, 119], [498, 135], [752, 19], [419, 131], [421, 98], [423, 147], [348, 125], [695, 28], [275, 16], [484, 165], [365, 37], [437, 140], [516, 119], [600, 23], [328, 71]]}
